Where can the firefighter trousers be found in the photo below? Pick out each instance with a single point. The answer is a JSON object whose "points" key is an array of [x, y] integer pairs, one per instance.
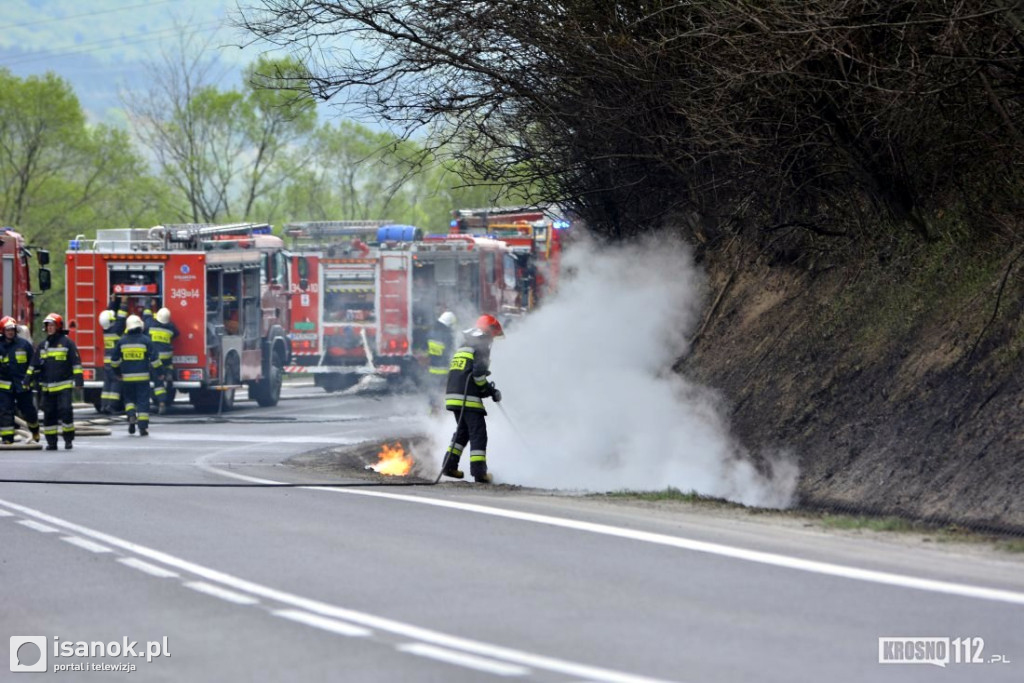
{"points": [[58, 410], [136, 402], [470, 430], [111, 392], [162, 379], [11, 403]]}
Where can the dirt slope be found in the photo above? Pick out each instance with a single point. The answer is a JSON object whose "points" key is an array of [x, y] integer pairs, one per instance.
{"points": [[897, 382]]}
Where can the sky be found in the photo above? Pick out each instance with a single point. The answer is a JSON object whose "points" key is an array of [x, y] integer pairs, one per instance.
{"points": [[102, 46]]}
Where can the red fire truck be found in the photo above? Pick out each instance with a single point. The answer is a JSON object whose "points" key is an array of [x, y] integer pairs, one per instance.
{"points": [[373, 293], [536, 234], [16, 295], [227, 287]]}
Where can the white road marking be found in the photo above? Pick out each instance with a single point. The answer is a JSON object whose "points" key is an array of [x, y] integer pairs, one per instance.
{"points": [[32, 524], [826, 568], [243, 437], [150, 569], [86, 543], [584, 671], [332, 625], [222, 593], [460, 659], [5, 513]]}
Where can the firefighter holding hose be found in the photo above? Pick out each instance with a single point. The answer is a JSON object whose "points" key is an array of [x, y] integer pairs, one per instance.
{"points": [[465, 392]]}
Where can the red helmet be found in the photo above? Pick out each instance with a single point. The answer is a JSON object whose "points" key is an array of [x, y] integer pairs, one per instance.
{"points": [[488, 324], [8, 321], [55, 319]]}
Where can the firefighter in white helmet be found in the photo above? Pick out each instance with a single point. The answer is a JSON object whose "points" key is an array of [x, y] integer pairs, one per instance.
{"points": [[57, 368], [112, 327], [440, 346], [134, 359], [162, 332]]}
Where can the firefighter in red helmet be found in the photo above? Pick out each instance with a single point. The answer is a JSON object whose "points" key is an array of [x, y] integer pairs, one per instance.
{"points": [[465, 392], [58, 370]]}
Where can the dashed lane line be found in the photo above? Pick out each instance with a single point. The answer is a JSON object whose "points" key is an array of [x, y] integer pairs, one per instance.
{"points": [[466, 652]]}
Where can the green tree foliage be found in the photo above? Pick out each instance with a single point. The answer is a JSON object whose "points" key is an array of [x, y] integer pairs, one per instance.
{"points": [[353, 172], [60, 176], [792, 122]]}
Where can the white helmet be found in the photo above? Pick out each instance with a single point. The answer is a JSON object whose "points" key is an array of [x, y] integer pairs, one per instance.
{"points": [[106, 319], [163, 316], [447, 319], [134, 322]]}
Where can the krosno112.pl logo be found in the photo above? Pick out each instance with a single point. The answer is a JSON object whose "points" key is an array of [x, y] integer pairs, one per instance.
{"points": [[935, 651], [28, 654]]}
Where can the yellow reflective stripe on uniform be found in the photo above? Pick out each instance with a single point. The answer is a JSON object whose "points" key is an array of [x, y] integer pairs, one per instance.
{"points": [[5, 385], [20, 357], [456, 400], [136, 377], [435, 348], [160, 335], [438, 371], [460, 359], [56, 352], [51, 387]]}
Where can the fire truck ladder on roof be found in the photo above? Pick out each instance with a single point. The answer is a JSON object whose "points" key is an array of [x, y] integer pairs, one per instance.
{"points": [[320, 229], [194, 233]]}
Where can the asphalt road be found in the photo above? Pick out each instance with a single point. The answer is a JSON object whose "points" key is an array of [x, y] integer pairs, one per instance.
{"points": [[458, 582]]}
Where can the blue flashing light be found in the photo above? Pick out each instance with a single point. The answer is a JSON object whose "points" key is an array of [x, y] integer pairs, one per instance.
{"points": [[265, 230], [454, 223], [561, 225], [75, 245]]}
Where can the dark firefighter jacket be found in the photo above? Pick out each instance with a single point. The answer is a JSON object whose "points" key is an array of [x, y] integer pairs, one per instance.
{"points": [[440, 345], [114, 332], [56, 364], [134, 356], [467, 377], [15, 359], [162, 334]]}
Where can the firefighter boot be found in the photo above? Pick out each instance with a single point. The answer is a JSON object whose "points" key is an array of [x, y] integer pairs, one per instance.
{"points": [[35, 435], [451, 467], [131, 424], [67, 442], [479, 472], [51, 443]]}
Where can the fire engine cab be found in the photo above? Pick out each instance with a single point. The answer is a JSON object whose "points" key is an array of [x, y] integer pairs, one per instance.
{"points": [[16, 296], [536, 235], [366, 294], [226, 286]]}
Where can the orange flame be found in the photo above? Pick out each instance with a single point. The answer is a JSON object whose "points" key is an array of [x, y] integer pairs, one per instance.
{"points": [[392, 461]]}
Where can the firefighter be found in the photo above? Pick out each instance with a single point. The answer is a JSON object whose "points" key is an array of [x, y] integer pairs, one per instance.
{"points": [[466, 389], [162, 332], [440, 345], [15, 390], [134, 360], [113, 328], [57, 369]]}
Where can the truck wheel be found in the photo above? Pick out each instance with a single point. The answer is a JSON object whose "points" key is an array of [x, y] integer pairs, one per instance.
{"points": [[267, 391], [232, 373]]}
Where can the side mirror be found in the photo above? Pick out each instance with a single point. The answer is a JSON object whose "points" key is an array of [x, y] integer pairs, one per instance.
{"points": [[303, 272], [43, 256], [303, 283], [44, 279]]}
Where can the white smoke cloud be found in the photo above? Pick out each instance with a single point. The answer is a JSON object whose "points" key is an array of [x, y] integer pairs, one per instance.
{"points": [[590, 402]]}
